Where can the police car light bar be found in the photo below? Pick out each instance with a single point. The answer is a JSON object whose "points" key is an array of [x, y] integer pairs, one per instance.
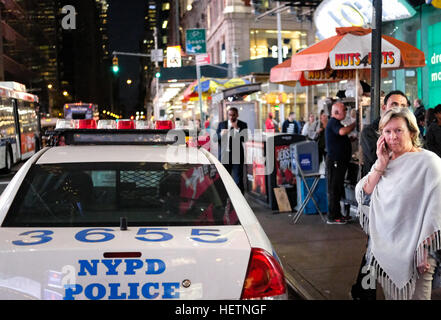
{"points": [[118, 137]]}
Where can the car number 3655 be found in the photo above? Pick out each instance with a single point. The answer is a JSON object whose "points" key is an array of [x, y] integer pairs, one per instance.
{"points": [[94, 235]]}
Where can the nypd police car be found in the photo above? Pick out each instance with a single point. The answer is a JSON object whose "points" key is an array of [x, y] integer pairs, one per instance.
{"points": [[126, 216]]}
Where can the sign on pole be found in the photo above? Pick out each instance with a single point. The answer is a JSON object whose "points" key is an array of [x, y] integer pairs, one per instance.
{"points": [[174, 57], [195, 41], [157, 55], [203, 59]]}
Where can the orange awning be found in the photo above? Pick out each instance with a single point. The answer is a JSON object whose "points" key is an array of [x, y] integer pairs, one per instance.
{"points": [[350, 49]]}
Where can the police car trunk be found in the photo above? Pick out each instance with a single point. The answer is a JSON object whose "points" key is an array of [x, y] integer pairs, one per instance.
{"points": [[131, 222]]}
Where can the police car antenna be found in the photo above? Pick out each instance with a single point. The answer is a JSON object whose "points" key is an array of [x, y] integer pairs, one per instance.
{"points": [[123, 223]]}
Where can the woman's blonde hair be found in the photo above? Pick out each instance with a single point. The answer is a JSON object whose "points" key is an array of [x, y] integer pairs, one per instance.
{"points": [[409, 118]]}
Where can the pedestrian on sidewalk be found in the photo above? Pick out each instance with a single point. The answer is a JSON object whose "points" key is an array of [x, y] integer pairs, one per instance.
{"points": [[404, 227], [368, 141], [321, 141], [433, 136], [420, 114], [290, 125], [339, 154], [311, 127], [369, 135], [231, 135], [271, 124]]}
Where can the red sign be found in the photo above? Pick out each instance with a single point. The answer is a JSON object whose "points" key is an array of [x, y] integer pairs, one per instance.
{"points": [[356, 59], [203, 59]]}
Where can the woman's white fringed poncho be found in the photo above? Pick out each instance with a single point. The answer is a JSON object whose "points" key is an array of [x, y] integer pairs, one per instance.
{"points": [[403, 218]]}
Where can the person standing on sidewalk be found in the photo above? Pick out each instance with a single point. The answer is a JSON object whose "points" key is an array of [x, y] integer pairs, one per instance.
{"points": [[311, 127], [433, 136], [368, 141], [231, 135], [321, 140], [420, 114], [404, 227], [290, 125], [339, 154], [369, 135], [271, 124]]}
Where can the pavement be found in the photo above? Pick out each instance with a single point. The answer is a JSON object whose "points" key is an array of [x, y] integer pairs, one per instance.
{"points": [[320, 261]]}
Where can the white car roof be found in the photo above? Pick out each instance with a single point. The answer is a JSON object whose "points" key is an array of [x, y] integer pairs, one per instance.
{"points": [[123, 153]]}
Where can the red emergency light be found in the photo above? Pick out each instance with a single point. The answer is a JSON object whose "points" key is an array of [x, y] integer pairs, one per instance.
{"points": [[86, 124], [125, 124], [164, 124]]}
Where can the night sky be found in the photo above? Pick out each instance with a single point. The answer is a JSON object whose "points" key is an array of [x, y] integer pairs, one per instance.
{"points": [[126, 30]]}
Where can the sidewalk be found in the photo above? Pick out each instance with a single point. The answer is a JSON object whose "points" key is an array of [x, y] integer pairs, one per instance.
{"points": [[320, 261]]}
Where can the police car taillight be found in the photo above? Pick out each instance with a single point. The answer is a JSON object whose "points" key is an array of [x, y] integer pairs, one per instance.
{"points": [[86, 124], [125, 124], [265, 278], [106, 124], [164, 124]]}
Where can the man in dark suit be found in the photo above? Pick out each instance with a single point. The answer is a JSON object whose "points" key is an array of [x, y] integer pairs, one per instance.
{"points": [[231, 135]]}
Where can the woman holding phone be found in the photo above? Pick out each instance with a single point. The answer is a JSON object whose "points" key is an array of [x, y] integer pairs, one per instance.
{"points": [[404, 225]]}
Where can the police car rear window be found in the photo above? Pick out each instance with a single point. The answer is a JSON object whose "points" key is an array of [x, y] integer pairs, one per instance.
{"points": [[100, 194]]}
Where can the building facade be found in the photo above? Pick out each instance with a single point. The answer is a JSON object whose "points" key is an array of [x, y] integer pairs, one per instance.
{"points": [[236, 33], [27, 53], [84, 61]]}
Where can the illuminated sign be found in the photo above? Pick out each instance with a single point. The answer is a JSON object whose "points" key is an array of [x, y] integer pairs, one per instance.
{"points": [[174, 57], [331, 14], [434, 64]]}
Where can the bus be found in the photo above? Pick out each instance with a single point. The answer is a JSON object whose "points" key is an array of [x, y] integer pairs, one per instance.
{"points": [[19, 124], [81, 110]]}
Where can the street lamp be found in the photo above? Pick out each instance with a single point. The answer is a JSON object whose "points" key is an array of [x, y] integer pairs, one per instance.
{"points": [[65, 93]]}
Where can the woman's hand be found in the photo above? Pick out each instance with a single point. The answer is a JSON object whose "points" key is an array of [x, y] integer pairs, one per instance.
{"points": [[382, 154], [423, 266]]}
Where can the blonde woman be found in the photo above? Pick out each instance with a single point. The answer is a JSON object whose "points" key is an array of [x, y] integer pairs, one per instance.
{"points": [[404, 226]]}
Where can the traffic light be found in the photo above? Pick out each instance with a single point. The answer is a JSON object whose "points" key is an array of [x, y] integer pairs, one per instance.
{"points": [[115, 67], [157, 74]]}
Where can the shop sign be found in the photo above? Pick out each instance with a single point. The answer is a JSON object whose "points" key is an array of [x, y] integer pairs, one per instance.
{"points": [[434, 64], [331, 14], [329, 75], [354, 52]]}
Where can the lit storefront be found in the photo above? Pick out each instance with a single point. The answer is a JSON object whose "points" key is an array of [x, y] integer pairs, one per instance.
{"points": [[295, 99], [422, 31], [263, 43]]}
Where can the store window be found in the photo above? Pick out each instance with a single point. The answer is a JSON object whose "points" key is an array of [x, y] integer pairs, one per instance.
{"points": [[223, 53], [263, 43]]}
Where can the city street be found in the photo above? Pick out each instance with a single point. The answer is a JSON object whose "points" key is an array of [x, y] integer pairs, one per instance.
{"points": [[220, 150]]}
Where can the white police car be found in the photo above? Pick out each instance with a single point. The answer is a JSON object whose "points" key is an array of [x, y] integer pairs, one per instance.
{"points": [[131, 221]]}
